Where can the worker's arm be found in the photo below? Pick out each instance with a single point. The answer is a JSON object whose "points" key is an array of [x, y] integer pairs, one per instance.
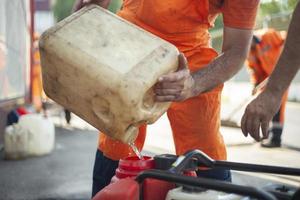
{"points": [[81, 3], [261, 110], [182, 84]]}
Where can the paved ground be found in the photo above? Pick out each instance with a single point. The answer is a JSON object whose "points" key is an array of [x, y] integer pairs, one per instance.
{"points": [[67, 172]]}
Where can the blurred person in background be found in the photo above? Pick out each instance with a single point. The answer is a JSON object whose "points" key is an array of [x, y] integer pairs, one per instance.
{"points": [[266, 48], [261, 110], [37, 93]]}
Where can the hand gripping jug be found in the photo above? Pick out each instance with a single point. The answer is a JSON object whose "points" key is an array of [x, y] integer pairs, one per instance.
{"points": [[102, 68]]}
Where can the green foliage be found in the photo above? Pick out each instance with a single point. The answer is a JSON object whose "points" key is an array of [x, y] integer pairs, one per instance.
{"points": [[276, 7], [218, 23], [62, 9], [115, 5]]}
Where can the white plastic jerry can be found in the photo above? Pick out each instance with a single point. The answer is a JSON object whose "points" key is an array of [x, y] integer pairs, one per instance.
{"points": [[103, 68], [181, 194], [41, 133], [15, 142], [33, 135]]}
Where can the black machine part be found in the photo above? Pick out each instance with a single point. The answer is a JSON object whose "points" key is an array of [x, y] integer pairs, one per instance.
{"points": [[195, 159], [204, 183], [282, 192], [296, 196], [199, 159]]}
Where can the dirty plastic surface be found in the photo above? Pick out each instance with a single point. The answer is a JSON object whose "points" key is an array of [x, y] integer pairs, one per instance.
{"points": [[103, 68]]}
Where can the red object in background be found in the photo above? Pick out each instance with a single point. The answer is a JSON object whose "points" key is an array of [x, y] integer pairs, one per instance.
{"points": [[22, 111]]}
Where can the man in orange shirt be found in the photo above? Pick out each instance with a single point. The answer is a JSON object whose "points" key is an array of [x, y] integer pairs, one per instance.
{"points": [[195, 89], [265, 50]]}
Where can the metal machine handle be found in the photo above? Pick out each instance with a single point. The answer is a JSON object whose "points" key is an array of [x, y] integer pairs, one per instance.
{"points": [[200, 159], [205, 183]]}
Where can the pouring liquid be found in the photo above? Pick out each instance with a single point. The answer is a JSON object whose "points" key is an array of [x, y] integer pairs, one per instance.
{"points": [[136, 151]]}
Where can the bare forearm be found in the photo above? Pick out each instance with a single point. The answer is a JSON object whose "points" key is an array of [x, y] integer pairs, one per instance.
{"points": [[236, 43], [289, 61], [220, 70]]}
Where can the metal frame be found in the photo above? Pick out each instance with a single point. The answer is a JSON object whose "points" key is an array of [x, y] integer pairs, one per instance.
{"points": [[204, 183]]}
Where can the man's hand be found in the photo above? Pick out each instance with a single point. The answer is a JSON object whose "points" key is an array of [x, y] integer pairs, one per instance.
{"points": [[176, 86], [259, 113]]}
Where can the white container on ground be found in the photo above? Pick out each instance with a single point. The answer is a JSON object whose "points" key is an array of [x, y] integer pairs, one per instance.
{"points": [[15, 143], [33, 135], [41, 133], [103, 68]]}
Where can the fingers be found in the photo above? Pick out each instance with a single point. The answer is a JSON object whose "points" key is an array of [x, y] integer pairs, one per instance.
{"points": [[161, 92], [176, 86], [182, 62], [264, 129], [174, 77], [251, 123], [244, 124], [165, 98], [169, 85], [254, 128]]}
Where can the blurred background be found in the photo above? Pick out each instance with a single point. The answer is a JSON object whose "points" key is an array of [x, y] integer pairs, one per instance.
{"points": [[64, 169]]}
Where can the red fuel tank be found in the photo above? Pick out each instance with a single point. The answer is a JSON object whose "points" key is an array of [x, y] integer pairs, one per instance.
{"points": [[124, 187]]}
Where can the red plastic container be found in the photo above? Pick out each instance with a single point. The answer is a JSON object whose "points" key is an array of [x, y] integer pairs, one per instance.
{"points": [[124, 187], [132, 166]]}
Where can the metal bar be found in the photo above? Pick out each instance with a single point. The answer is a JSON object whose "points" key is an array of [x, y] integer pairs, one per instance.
{"points": [[257, 168], [205, 183], [203, 160]]}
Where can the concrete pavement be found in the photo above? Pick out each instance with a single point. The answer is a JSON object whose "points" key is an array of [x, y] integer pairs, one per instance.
{"points": [[64, 174]]}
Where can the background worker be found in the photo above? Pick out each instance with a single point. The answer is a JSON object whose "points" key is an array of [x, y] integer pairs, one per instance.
{"points": [[265, 50], [260, 111], [196, 87]]}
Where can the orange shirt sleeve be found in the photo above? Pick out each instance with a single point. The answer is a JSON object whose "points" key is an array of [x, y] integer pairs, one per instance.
{"points": [[240, 13]]}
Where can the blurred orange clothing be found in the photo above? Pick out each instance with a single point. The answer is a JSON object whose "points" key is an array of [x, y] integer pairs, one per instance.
{"points": [[264, 54], [36, 84], [195, 122], [263, 57]]}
